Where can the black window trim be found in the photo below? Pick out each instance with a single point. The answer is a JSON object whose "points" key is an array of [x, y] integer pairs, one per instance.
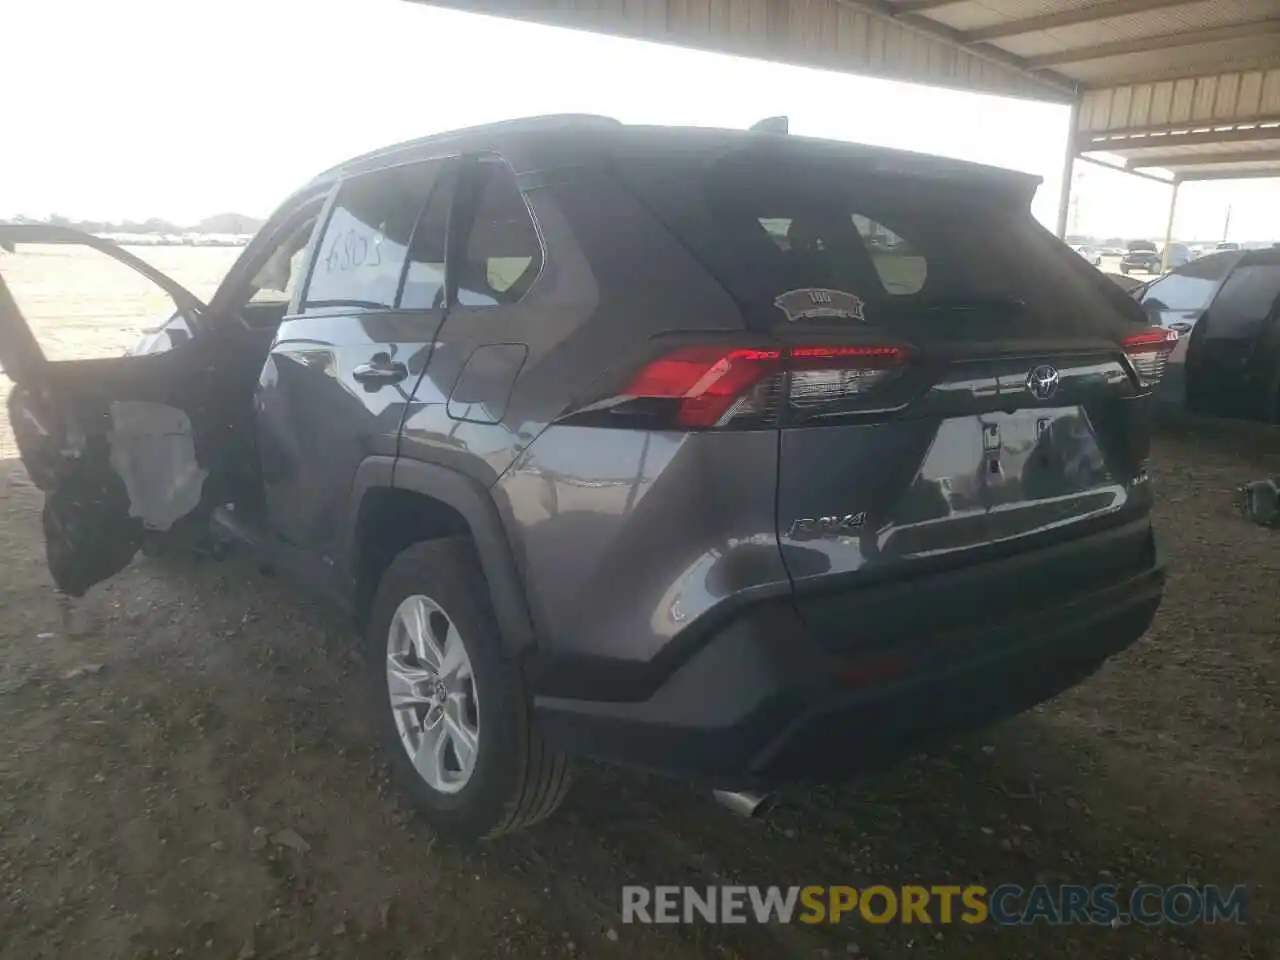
{"points": [[299, 308], [447, 164]]}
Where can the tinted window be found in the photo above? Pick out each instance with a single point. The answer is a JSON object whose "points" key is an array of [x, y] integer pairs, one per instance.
{"points": [[504, 254], [1189, 287], [900, 267], [932, 258], [362, 251], [1247, 298], [424, 280]]}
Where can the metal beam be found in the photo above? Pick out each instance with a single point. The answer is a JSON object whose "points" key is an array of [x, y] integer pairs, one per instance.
{"points": [[1165, 72], [916, 6], [1181, 135], [1071, 18], [1118, 169], [1261, 173], [1170, 161], [1168, 230], [1169, 41], [955, 38]]}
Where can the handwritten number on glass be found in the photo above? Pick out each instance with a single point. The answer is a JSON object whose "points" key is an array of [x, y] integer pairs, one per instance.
{"points": [[351, 251]]}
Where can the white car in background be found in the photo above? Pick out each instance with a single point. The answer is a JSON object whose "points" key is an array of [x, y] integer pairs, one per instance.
{"points": [[1091, 254]]}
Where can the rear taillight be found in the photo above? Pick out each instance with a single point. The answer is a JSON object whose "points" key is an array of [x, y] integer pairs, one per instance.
{"points": [[702, 387], [1148, 353]]}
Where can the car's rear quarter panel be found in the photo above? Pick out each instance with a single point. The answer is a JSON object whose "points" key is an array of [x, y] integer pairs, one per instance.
{"points": [[625, 536]]}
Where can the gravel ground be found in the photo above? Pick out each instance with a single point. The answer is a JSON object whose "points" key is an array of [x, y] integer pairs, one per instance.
{"points": [[187, 769]]}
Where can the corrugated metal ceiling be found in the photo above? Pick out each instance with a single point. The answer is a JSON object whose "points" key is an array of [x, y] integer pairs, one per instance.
{"points": [[1187, 86], [1134, 65]]}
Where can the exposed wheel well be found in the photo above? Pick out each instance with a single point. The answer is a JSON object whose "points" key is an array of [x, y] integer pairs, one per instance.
{"points": [[389, 521]]}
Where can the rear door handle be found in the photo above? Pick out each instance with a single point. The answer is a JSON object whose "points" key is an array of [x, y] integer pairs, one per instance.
{"points": [[380, 370]]}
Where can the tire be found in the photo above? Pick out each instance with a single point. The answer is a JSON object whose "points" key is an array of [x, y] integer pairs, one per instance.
{"points": [[515, 779]]}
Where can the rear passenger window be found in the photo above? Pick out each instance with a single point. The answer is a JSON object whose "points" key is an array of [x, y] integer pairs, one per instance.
{"points": [[504, 254], [361, 253]]}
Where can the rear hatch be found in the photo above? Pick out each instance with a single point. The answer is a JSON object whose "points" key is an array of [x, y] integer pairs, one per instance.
{"points": [[949, 382]]}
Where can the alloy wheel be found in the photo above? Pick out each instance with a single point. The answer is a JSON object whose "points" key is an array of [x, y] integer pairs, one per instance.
{"points": [[433, 694]]}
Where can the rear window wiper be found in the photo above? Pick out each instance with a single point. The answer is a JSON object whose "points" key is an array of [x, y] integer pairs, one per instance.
{"points": [[940, 304]]}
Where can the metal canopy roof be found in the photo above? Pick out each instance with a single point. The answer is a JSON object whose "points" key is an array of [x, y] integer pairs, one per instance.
{"points": [[1188, 86], [1192, 86]]}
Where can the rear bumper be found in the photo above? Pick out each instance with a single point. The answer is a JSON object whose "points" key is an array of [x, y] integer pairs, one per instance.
{"points": [[763, 702]]}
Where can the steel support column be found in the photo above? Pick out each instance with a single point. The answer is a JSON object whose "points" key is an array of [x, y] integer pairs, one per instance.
{"points": [[1068, 169], [1168, 229]]}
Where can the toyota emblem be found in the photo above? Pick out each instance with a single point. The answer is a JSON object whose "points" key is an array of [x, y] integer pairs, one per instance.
{"points": [[1042, 381]]}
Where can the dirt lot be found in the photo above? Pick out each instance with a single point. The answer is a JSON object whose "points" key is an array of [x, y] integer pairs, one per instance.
{"points": [[195, 702]]}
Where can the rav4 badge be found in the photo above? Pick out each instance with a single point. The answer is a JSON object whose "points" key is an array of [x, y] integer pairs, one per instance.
{"points": [[812, 528]]}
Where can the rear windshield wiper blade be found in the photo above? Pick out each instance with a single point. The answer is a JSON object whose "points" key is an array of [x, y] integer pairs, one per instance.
{"points": [[1001, 304]]}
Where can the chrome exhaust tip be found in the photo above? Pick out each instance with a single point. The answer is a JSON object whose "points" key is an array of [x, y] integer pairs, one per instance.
{"points": [[745, 803]]}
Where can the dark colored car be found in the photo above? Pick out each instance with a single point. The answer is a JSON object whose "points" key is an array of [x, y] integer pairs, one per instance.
{"points": [[624, 442], [1176, 302], [1145, 256], [1232, 355], [1141, 255]]}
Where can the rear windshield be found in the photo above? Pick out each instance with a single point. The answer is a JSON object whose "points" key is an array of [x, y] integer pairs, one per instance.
{"points": [[796, 240], [1142, 246]]}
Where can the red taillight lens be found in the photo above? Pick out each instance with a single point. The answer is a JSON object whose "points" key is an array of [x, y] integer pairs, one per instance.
{"points": [[1149, 351], [713, 386]]}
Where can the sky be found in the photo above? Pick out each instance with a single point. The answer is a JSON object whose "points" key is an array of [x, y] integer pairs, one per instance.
{"points": [[128, 109]]}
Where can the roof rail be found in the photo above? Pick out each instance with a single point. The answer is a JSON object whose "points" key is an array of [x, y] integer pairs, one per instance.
{"points": [[553, 121]]}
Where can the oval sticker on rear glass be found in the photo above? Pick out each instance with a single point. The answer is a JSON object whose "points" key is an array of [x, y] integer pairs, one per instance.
{"points": [[817, 303]]}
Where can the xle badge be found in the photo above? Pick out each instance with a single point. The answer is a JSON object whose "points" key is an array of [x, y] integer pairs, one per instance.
{"points": [[816, 303], [812, 528]]}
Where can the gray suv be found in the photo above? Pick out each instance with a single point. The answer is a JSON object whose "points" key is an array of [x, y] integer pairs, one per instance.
{"points": [[728, 455]]}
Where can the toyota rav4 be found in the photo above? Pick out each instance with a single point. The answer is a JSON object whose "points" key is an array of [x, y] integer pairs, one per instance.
{"points": [[735, 456]]}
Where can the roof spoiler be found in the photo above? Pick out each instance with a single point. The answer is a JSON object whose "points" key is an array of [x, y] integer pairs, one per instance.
{"points": [[772, 125]]}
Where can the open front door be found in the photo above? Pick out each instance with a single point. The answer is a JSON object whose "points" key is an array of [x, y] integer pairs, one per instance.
{"points": [[115, 442]]}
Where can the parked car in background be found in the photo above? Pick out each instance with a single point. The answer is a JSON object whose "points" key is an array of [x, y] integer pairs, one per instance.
{"points": [[1179, 256], [1142, 256], [1177, 301], [625, 443], [1091, 254], [1232, 363], [1225, 245]]}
